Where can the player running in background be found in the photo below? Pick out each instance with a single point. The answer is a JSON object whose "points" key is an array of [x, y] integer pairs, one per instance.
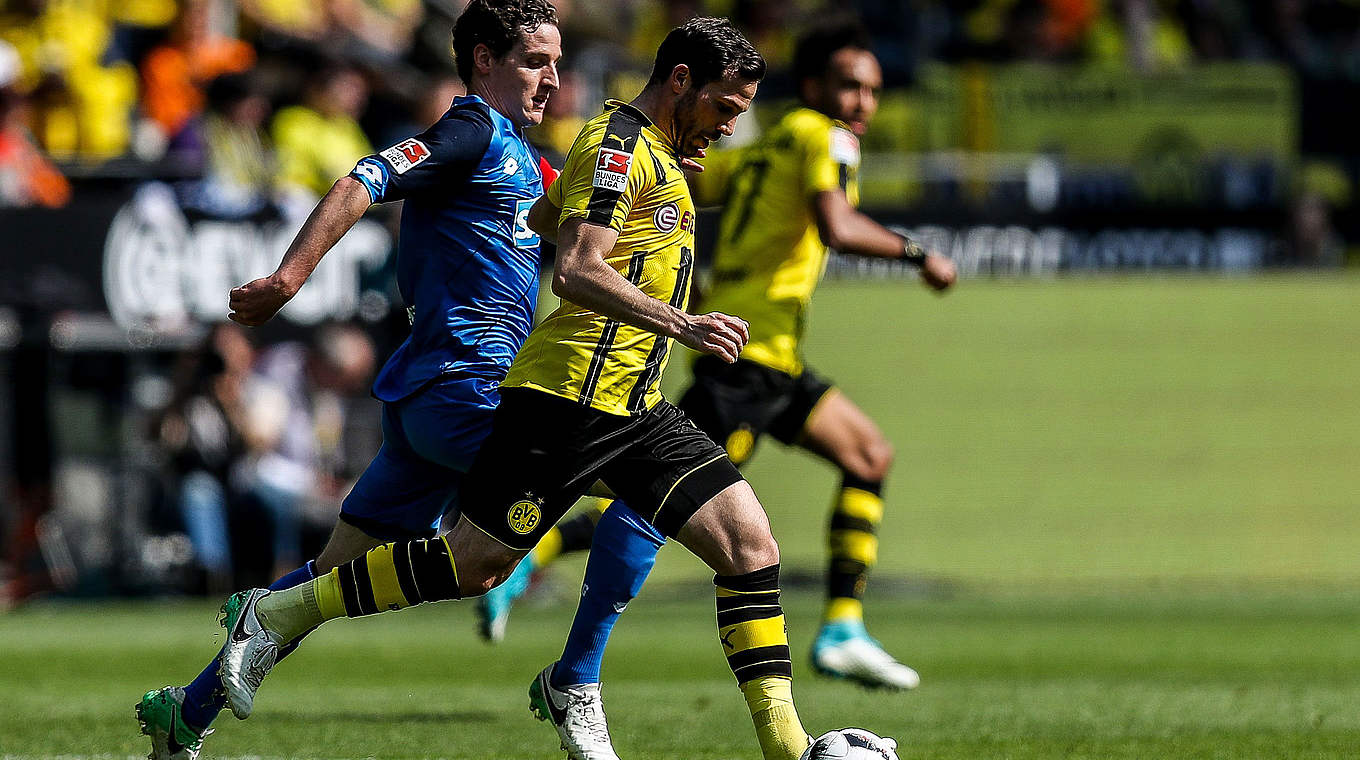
{"points": [[786, 199], [582, 402], [790, 197], [467, 268]]}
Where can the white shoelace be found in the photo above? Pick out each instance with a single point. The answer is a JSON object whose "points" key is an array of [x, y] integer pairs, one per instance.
{"points": [[587, 713]]}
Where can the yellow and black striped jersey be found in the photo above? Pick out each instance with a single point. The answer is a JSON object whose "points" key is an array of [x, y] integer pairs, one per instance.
{"points": [[623, 173], [769, 255]]}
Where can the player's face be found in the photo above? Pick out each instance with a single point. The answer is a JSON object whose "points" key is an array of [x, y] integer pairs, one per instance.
{"points": [[709, 113], [524, 79], [849, 90]]}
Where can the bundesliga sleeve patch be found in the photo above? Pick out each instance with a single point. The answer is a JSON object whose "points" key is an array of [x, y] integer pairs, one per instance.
{"points": [[844, 147], [406, 155], [611, 170]]}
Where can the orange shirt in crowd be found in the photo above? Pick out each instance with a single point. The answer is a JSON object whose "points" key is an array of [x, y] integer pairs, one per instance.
{"points": [[174, 76], [27, 178]]}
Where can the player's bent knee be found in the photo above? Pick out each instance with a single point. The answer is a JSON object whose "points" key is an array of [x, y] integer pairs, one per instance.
{"points": [[479, 572], [479, 578], [881, 457], [754, 553], [872, 461]]}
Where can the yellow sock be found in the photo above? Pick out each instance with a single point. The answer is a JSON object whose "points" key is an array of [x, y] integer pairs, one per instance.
{"points": [[852, 544], [780, 733], [389, 577], [841, 608], [549, 547], [330, 602], [751, 630], [293, 611]]}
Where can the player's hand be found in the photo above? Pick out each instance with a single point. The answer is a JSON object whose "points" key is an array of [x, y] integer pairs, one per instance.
{"points": [[938, 272], [257, 301], [716, 333], [690, 165]]}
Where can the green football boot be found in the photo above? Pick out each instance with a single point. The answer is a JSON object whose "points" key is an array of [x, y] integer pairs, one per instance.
{"points": [[159, 715]]}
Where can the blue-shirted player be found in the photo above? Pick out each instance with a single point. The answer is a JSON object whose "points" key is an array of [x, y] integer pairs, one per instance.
{"points": [[468, 270]]}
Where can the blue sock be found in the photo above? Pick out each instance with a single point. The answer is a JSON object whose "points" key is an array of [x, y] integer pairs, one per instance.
{"points": [[621, 555], [204, 697]]}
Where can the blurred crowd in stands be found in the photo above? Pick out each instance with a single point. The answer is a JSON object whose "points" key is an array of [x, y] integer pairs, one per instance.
{"points": [[249, 104], [262, 97], [260, 443]]}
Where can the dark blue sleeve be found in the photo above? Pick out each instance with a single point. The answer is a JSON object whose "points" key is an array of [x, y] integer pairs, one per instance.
{"points": [[441, 157]]}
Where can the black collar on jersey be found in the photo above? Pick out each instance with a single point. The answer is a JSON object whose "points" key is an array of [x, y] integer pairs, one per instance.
{"points": [[629, 108]]}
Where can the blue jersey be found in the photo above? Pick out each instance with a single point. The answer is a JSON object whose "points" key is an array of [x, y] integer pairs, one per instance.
{"points": [[467, 262]]}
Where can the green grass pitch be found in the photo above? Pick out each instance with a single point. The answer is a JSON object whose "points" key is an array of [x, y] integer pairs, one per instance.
{"points": [[1123, 525]]}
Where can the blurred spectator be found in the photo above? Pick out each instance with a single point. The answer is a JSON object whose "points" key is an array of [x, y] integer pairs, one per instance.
{"points": [[175, 74], [138, 26], [438, 99], [896, 30], [1313, 235], [652, 21], [288, 25], [238, 162], [562, 119], [81, 106], [434, 97], [296, 401], [203, 430], [378, 31], [1315, 239], [27, 178], [320, 139], [1140, 34], [768, 24]]}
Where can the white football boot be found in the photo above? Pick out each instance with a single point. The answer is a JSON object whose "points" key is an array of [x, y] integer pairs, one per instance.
{"points": [[843, 649], [577, 713], [249, 654]]}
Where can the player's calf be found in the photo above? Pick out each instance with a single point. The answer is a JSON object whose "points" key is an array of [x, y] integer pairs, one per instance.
{"points": [[753, 636], [732, 534]]}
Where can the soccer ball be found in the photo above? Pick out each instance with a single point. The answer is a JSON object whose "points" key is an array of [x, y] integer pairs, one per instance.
{"points": [[851, 744]]}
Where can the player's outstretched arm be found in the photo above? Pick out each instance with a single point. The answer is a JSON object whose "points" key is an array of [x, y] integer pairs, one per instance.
{"points": [[581, 276], [257, 301], [846, 229]]}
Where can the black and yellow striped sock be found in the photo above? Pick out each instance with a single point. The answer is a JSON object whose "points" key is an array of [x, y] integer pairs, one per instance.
{"points": [[751, 629], [389, 577], [852, 542]]}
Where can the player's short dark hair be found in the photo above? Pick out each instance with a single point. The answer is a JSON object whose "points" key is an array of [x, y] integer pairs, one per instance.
{"points": [[712, 48], [498, 24], [812, 54]]}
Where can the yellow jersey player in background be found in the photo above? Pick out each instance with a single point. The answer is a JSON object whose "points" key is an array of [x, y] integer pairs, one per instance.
{"points": [[788, 198]]}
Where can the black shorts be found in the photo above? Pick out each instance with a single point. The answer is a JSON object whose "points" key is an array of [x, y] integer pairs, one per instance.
{"points": [[545, 452], [737, 403]]}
